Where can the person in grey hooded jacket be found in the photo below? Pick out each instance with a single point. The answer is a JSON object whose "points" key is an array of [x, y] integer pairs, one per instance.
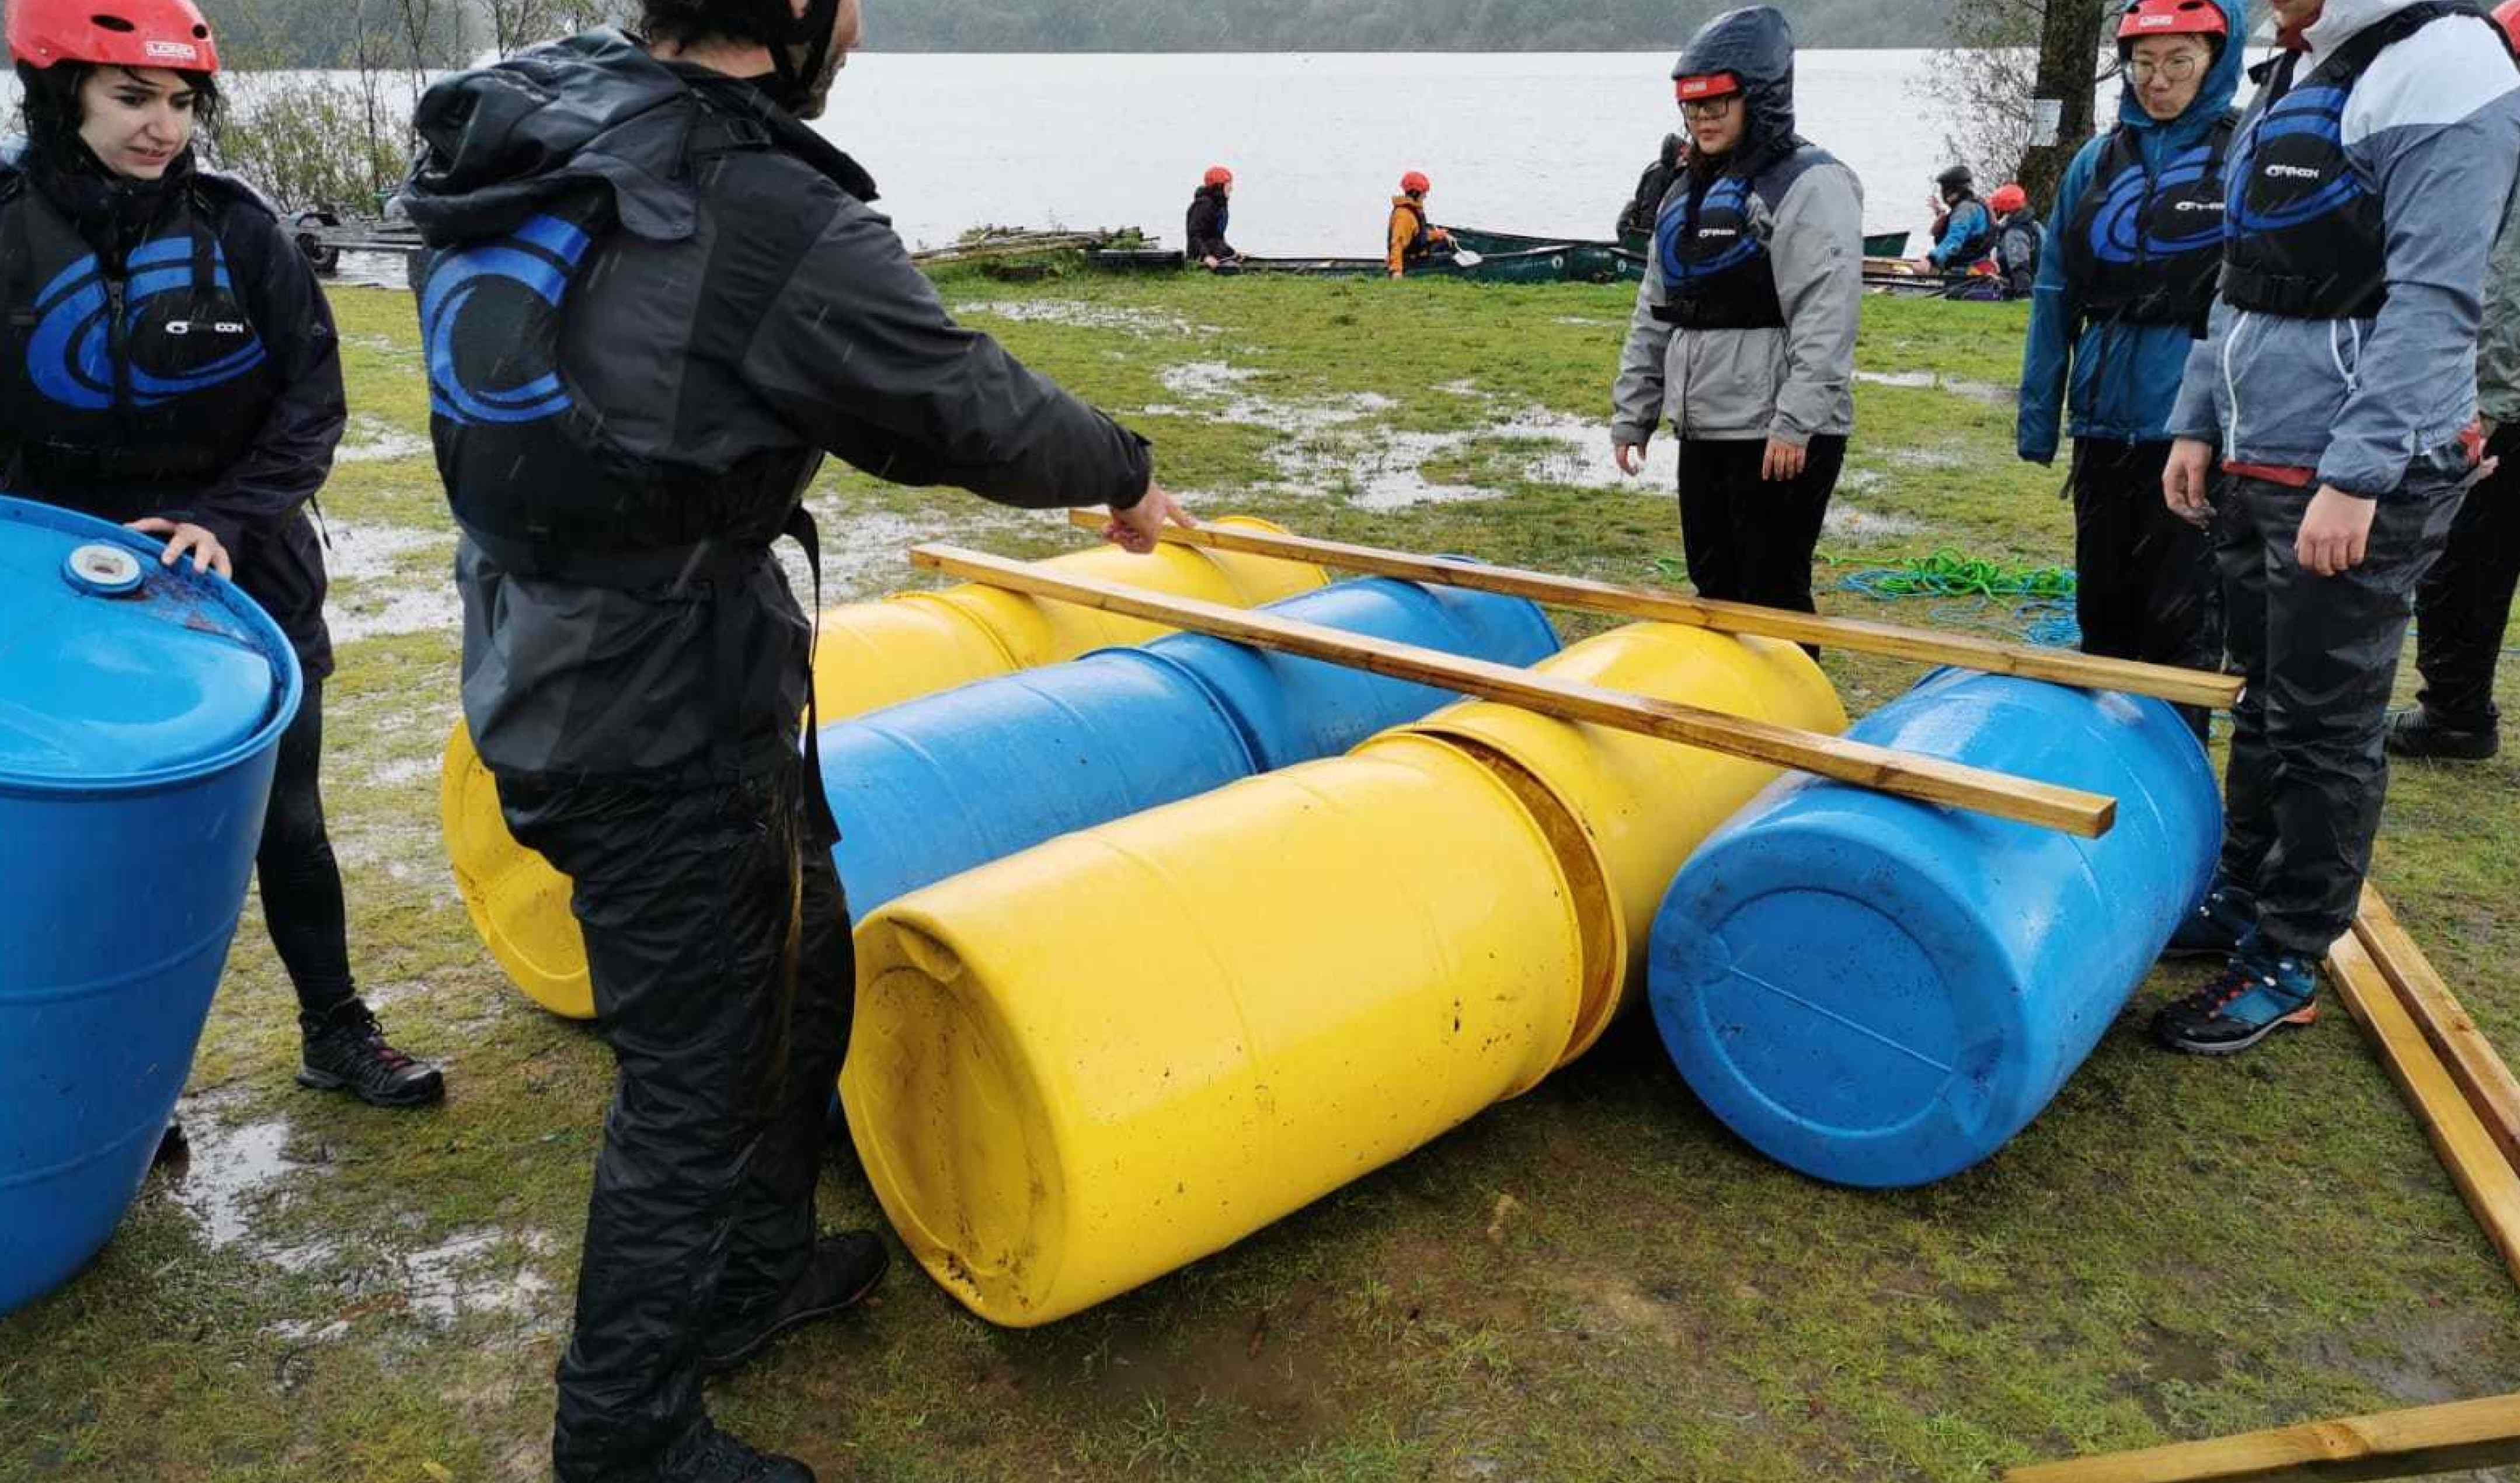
{"points": [[2337, 380], [1745, 329]]}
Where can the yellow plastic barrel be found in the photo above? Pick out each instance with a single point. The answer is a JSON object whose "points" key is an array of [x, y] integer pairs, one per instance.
{"points": [[1083, 1066], [870, 656], [1647, 804]]}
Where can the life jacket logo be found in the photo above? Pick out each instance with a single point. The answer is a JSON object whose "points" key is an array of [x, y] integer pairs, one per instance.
{"points": [[70, 358], [1724, 233], [2295, 172], [537, 262]]}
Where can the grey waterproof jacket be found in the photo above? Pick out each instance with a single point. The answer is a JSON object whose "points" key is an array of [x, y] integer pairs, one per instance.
{"points": [[1792, 383], [2497, 354]]}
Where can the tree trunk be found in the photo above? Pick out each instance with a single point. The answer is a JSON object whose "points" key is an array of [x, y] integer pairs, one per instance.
{"points": [[2069, 71]]}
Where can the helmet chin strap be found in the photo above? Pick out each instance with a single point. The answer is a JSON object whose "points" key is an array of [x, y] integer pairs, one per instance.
{"points": [[798, 61]]}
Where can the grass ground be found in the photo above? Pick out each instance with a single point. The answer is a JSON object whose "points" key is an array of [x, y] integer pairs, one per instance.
{"points": [[1594, 1282]]}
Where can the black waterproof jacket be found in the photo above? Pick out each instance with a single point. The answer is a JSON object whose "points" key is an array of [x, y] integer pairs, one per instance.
{"points": [[218, 403], [1204, 230], [655, 302]]}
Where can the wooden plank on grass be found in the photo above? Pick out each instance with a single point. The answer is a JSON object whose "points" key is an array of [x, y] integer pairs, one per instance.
{"points": [[1929, 780], [2475, 1164], [2472, 1062], [2186, 687], [2396, 1444]]}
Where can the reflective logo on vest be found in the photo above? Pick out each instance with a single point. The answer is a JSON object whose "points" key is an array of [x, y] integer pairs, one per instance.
{"points": [[70, 357], [536, 262]]}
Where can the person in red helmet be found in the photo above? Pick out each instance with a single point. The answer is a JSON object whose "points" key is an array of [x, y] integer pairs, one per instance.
{"points": [[1210, 211], [2019, 240], [2464, 607], [208, 417], [1411, 239]]}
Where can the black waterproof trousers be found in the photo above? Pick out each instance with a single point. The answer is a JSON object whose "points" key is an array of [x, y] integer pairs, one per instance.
{"points": [[2308, 773], [2465, 607], [719, 948], [300, 881], [2145, 581], [1748, 540]]}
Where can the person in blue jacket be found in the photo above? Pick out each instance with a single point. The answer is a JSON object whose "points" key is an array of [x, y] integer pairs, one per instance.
{"points": [[1963, 228], [2134, 250]]}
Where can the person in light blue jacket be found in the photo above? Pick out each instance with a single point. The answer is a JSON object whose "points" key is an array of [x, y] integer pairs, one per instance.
{"points": [[1963, 228], [2337, 382], [2134, 250]]}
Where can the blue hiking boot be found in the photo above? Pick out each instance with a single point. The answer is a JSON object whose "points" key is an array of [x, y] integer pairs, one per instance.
{"points": [[2259, 994], [2216, 929]]}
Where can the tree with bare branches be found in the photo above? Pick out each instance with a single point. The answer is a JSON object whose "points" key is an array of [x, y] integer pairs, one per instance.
{"points": [[2020, 77]]}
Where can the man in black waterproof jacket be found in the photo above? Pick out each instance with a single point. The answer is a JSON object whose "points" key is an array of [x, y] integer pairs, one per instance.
{"points": [[654, 301]]}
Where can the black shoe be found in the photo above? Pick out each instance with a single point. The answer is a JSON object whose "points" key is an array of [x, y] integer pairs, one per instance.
{"points": [[2418, 733], [706, 1455], [347, 1051], [842, 1269], [2215, 928], [174, 1150]]}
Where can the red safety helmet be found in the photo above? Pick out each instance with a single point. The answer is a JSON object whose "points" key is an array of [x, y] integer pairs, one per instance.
{"points": [[1709, 85], [1414, 183], [2173, 17], [2011, 199], [2507, 15], [1218, 174], [128, 33]]}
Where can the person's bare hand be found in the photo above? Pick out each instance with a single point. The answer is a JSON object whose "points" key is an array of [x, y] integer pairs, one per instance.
{"points": [[1139, 527], [1632, 459], [184, 540], [2186, 481], [1784, 461], [2335, 532]]}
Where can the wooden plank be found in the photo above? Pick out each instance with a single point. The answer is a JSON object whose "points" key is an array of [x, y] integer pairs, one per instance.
{"points": [[2471, 1058], [2476, 1165], [2186, 687], [1929, 780], [2396, 1444]]}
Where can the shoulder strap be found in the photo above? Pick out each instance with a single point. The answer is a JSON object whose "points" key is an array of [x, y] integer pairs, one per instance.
{"points": [[230, 190]]}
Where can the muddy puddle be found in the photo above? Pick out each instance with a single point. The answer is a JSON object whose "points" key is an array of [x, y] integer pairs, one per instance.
{"points": [[1927, 380], [1082, 316]]}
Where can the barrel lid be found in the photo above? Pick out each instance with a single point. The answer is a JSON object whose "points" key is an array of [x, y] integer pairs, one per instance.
{"points": [[117, 669]]}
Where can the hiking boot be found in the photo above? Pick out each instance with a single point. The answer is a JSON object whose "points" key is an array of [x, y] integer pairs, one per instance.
{"points": [[346, 1051], [2419, 734], [2216, 928], [706, 1455], [174, 1150], [842, 1269], [2259, 994]]}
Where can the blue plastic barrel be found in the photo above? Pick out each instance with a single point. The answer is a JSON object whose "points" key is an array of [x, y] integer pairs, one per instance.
{"points": [[1300, 710], [933, 788], [1883, 993], [141, 710]]}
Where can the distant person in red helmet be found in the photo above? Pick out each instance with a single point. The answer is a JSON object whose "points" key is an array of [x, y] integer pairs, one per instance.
{"points": [[1413, 241], [207, 415], [1210, 210], [2463, 609], [2019, 240]]}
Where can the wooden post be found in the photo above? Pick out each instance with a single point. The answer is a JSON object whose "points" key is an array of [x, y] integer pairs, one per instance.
{"points": [[2186, 687], [1929, 780], [2476, 1165], [2396, 1444], [2470, 1059]]}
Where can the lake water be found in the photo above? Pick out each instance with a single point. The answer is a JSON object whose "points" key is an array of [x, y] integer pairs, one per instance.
{"points": [[1549, 143]]}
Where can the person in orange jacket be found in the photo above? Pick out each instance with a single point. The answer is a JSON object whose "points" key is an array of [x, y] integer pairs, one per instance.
{"points": [[1411, 239]]}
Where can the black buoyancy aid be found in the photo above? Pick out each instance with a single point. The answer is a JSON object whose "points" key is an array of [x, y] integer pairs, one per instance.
{"points": [[523, 451], [2304, 238], [1712, 241], [2145, 248], [1974, 246], [122, 377], [1421, 246]]}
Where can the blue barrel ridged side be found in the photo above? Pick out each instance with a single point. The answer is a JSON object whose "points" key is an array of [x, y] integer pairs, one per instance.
{"points": [[1883, 993], [138, 734], [936, 787]]}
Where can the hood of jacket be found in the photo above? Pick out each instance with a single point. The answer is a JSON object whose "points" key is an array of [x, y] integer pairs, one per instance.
{"points": [[2214, 97], [2344, 20], [498, 142], [1755, 44]]}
